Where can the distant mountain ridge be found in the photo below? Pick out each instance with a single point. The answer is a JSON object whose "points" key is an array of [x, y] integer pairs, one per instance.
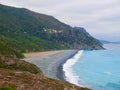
{"points": [[108, 42], [28, 31]]}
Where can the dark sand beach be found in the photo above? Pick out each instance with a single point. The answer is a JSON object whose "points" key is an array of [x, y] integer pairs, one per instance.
{"points": [[51, 62]]}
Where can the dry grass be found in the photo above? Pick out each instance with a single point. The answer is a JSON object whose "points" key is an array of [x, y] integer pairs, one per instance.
{"points": [[23, 80], [20, 75]]}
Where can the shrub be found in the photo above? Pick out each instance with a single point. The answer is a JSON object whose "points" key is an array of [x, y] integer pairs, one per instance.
{"points": [[7, 88]]}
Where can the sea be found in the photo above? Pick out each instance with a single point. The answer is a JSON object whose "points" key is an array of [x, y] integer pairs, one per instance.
{"points": [[95, 69]]}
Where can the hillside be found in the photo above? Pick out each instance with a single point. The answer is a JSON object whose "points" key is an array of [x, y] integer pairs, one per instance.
{"points": [[17, 74], [28, 31], [7, 50]]}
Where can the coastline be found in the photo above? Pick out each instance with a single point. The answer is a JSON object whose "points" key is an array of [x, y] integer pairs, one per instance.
{"points": [[51, 62], [61, 73], [67, 68]]}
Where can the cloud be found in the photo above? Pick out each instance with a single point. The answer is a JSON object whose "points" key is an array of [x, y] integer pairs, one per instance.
{"points": [[97, 16]]}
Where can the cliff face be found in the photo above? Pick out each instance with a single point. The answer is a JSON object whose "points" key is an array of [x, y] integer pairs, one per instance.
{"points": [[26, 31]]}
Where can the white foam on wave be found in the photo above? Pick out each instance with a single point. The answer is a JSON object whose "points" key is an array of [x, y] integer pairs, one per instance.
{"points": [[67, 68]]}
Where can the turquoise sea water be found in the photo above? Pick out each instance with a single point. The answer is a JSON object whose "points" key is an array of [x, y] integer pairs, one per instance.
{"points": [[98, 69]]}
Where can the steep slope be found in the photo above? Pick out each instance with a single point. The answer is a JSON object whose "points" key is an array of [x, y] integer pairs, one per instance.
{"points": [[17, 74], [28, 31]]}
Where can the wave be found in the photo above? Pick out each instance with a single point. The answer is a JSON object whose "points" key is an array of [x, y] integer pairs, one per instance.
{"points": [[68, 71]]}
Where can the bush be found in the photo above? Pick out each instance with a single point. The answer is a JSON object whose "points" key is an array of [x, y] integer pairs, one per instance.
{"points": [[7, 88]]}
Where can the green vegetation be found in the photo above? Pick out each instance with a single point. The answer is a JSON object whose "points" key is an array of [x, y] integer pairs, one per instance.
{"points": [[29, 43], [7, 50], [7, 88], [14, 64], [25, 31]]}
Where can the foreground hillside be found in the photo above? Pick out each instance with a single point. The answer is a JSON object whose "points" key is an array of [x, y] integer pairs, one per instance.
{"points": [[28, 31], [7, 50], [20, 75]]}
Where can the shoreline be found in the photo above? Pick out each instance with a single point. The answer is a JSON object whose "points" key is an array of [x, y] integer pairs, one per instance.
{"points": [[61, 73], [51, 62], [67, 68]]}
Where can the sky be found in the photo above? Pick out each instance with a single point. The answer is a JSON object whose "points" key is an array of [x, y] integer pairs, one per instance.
{"points": [[101, 18]]}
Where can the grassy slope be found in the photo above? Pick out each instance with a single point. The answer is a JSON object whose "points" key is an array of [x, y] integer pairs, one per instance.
{"points": [[17, 27], [20, 75], [28, 81], [7, 50]]}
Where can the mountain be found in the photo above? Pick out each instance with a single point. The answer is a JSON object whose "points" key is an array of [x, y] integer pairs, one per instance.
{"points": [[105, 42], [27, 31], [109, 42]]}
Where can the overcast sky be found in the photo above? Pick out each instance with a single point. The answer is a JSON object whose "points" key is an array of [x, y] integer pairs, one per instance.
{"points": [[101, 18]]}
